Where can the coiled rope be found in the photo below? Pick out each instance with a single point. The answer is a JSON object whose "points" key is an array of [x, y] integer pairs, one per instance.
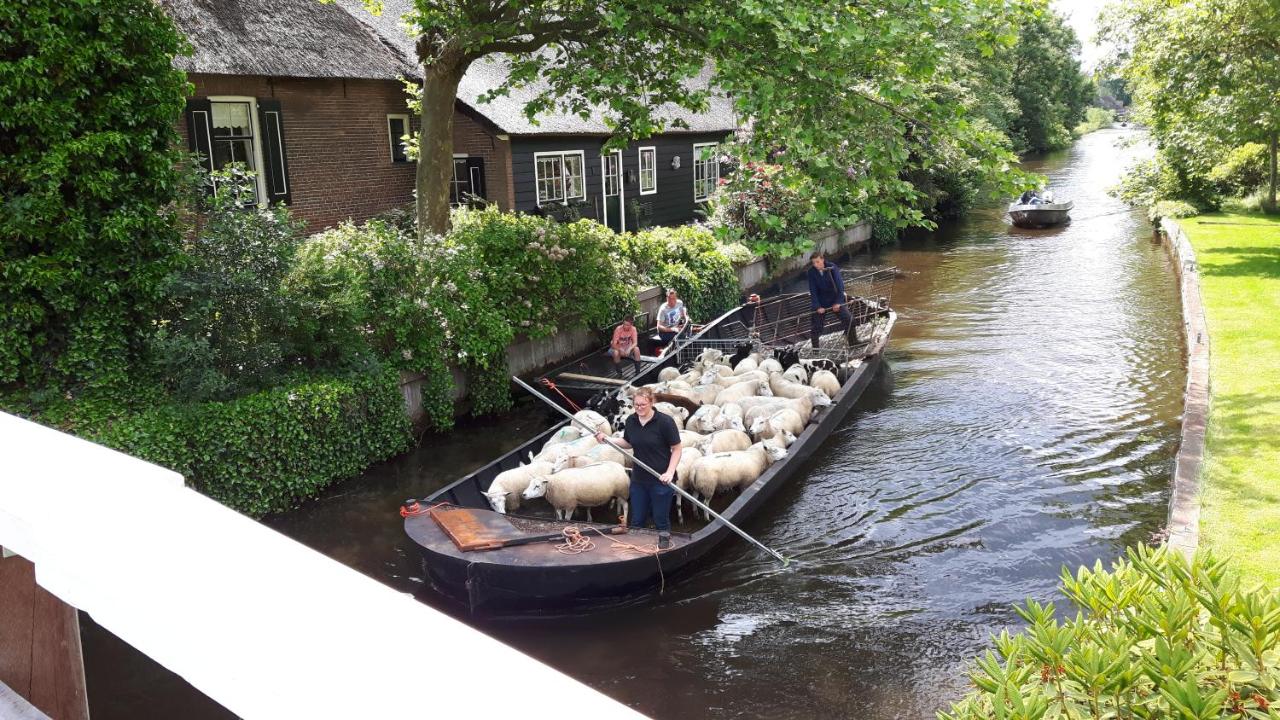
{"points": [[576, 543]]}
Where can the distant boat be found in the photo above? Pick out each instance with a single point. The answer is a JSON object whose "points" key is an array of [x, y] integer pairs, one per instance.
{"points": [[1042, 215]]}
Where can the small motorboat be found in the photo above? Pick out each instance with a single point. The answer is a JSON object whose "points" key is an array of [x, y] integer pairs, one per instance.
{"points": [[1040, 215]]}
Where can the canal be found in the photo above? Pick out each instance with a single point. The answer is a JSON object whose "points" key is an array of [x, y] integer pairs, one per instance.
{"points": [[1026, 420]]}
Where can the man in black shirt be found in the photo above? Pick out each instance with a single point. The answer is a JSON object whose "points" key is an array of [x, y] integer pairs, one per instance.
{"points": [[655, 440]]}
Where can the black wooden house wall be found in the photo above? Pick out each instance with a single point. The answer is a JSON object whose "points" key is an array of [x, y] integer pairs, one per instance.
{"points": [[673, 203]]}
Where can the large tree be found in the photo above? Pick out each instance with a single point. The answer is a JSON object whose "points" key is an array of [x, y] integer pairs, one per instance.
{"points": [[1204, 73], [840, 88]]}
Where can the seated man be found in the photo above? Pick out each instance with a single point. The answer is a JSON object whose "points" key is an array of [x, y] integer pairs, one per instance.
{"points": [[625, 342], [672, 318]]}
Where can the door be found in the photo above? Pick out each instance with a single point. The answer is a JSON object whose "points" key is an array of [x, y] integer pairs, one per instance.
{"points": [[611, 180]]}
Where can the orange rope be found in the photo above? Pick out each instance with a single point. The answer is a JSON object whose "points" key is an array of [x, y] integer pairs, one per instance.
{"points": [[575, 543], [547, 382]]}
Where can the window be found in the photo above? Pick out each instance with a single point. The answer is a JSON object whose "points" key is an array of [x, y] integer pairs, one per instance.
{"points": [[466, 186], [612, 174], [706, 170], [558, 176], [245, 130], [397, 129], [648, 170]]}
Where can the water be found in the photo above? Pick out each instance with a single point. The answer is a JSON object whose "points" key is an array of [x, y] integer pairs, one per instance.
{"points": [[1026, 420]]}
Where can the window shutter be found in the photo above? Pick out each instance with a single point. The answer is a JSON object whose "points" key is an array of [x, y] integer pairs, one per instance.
{"points": [[275, 160], [475, 174], [200, 130]]}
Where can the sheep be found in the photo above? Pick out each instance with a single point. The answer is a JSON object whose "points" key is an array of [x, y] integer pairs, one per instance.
{"points": [[593, 420], [681, 400], [743, 390], [725, 441], [678, 414], [683, 471], [689, 439], [710, 357], [786, 423], [751, 362], [505, 490], [603, 452], [572, 449], [703, 421], [804, 406], [797, 373], [731, 380], [731, 416], [770, 365], [667, 374], [707, 394], [733, 470], [826, 381], [671, 393], [568, 433], [782, 387], [590, 486]]}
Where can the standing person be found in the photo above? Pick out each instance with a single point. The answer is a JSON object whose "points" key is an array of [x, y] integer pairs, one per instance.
{"points": [[655, 440], [625, 342], [826, 293], [672, 317]]}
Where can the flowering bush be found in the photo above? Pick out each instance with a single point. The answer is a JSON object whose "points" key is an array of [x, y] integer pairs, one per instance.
{"points": [[375, 292], [766, 209], [689, 260]]}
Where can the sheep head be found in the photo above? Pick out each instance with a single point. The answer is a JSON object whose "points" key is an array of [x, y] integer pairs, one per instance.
{"points": [[820, 398], [537, 488], [497, 500]]}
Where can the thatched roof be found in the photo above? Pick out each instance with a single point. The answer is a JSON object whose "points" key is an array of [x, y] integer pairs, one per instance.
{"points": [[282, 38], [307, 38]]}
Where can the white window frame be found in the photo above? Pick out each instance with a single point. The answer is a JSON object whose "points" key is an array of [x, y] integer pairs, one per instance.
{"points": [[604, 190], [259, 176], [564, 190], [712, 162], [653, 150], [392, 139]]}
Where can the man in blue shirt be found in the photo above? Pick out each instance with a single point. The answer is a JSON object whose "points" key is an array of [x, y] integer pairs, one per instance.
{"points": [[826, 294]]}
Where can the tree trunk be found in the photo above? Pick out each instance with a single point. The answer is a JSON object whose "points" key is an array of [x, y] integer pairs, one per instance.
{"points": [[1271, 194], [435, 157]]}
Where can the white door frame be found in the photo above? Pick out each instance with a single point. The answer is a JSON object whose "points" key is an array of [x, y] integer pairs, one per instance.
{"points": [[604, 188]]}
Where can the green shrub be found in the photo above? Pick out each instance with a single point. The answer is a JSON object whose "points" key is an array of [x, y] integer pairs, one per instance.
{"points": [[1095, 118], [88, 99], [224, 327], [1155, 637], [266, 452], [1243, 170], [1171, 209], [686, 258], [736, 253]]}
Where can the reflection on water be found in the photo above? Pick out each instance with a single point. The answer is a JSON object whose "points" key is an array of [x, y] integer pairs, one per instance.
{"points": [[1026, 420]]}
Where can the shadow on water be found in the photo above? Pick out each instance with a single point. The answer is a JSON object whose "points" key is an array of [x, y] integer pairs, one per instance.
{"points": [[1026, 421]]}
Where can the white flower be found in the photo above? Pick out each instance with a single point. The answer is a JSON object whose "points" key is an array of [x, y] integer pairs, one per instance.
{"points": [[407, 354]]}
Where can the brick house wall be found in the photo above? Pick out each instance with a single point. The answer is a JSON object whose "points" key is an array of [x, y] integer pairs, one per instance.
{"points": [[473, 139]]}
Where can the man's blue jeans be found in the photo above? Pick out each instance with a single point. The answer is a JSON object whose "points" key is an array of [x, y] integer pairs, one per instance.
{"points": [[650, 498]]}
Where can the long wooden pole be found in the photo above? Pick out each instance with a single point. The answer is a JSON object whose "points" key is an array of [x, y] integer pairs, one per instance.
{"points": [[687, 495]]}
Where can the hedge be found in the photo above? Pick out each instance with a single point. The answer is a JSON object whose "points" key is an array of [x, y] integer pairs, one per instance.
{"points": [[266, 452]]}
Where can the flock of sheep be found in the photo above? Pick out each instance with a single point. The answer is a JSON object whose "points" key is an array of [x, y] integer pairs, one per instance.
{"points": [[735, 421]]}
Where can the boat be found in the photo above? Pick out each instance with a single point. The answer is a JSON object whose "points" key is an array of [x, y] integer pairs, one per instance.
{"points": [[497, 564], [1042, 215]]}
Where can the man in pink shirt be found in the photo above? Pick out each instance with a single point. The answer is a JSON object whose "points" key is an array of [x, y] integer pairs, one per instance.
{"points": [[625, 342]]}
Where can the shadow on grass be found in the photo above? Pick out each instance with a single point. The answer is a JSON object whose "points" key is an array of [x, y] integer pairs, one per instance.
{"points": [[1258, 260], [1241, 429]]}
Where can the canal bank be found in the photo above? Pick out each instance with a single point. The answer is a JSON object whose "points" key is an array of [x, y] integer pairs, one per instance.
{"points": [[1237, 264], [1027, 421]]}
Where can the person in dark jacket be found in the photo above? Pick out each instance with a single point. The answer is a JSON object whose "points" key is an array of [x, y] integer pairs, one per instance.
{"points": [[826, 294]]}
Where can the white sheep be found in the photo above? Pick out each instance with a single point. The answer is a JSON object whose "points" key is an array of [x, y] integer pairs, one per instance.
{"points": [[804, 406], [567, 450], [731, 380], [568, 433], [593, 420], [505, 490], [602, 452], [725, 441], [684, 470], [731, 417], [751, 362], [689, 438], [826, 381], [797, 373], [770, 365], [710, 356], [590, 486], [782, 387], [785, 423], [721, 472], [706, 394], [703, 421], [667, 374], [675, 412], [743, 390]]}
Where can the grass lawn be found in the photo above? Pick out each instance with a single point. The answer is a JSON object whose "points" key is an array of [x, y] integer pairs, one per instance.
{"points": [[1239, 258]]}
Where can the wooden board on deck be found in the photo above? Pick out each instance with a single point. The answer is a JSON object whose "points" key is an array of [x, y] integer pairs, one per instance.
{"points": [[472, 529]]}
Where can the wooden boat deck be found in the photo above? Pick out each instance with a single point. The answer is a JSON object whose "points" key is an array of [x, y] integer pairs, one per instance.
{"points": [[425, 531]]}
